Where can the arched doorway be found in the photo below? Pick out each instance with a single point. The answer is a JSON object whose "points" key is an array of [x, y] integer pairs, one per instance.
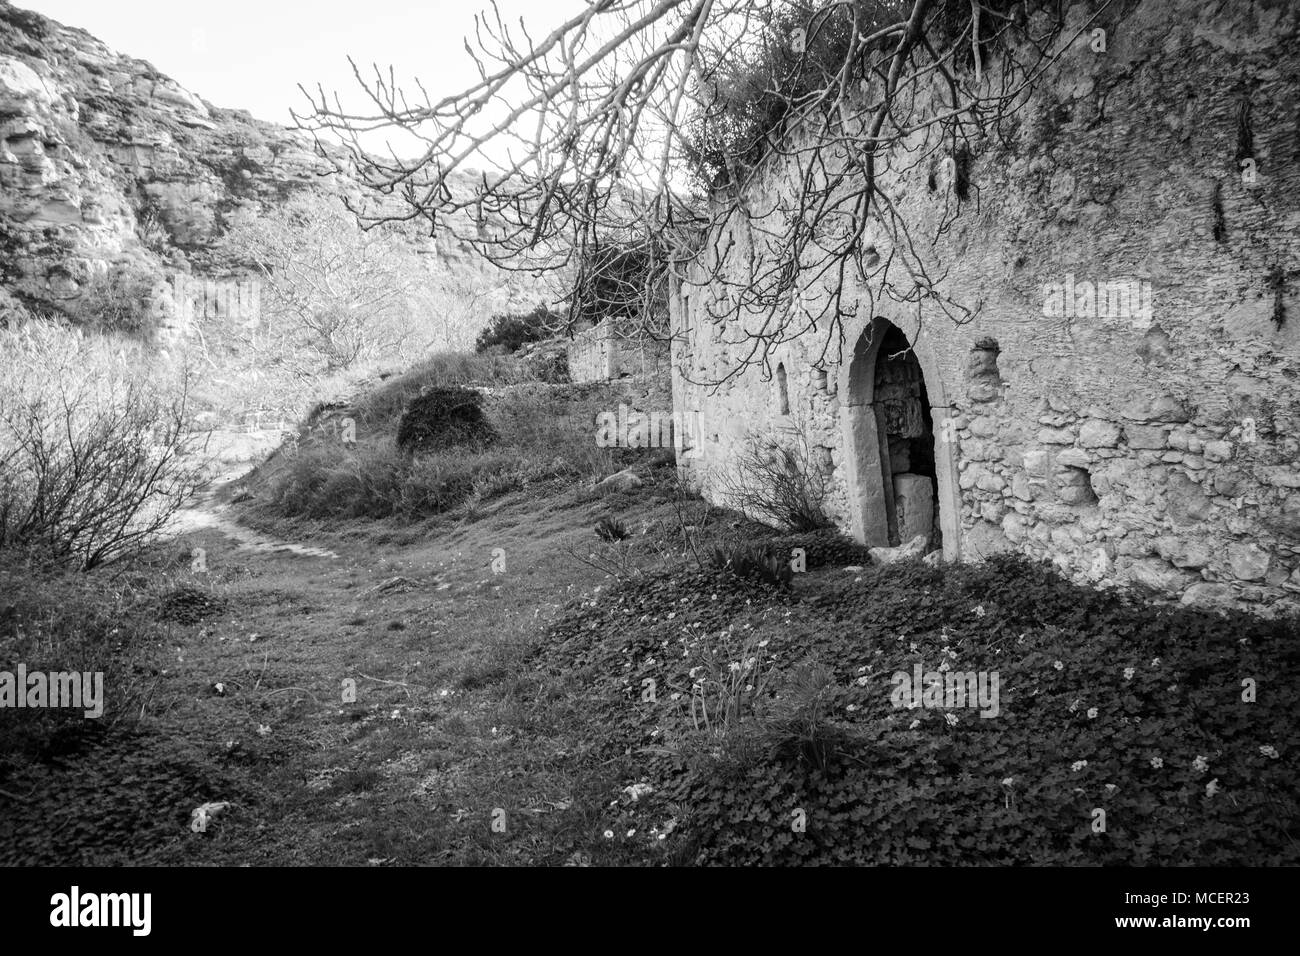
{"points": [[901, 472]]}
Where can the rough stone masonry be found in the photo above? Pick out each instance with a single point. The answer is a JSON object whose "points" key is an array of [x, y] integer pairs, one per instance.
{"points": [[1124, 402]]}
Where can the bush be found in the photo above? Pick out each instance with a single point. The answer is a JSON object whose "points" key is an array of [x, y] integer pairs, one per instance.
{"points": [[119, 301], [509, 332], [93, 458], [443, 417], [442, 369], [758, 562], [546, 361], [780, 486], [611, 529]]}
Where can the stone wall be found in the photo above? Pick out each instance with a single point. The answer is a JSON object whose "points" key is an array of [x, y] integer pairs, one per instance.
{"points": [[591, 355], [599, 354], [1143, 445]]}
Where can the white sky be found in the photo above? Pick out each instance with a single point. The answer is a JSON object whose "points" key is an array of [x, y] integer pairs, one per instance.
{"points": [[251, 54]]}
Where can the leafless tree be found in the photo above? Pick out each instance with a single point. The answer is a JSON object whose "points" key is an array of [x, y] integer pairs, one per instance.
{"points": [[645, 123]]}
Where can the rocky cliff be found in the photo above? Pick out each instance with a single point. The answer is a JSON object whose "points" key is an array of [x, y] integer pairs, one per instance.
{"points": [[108, 165]]}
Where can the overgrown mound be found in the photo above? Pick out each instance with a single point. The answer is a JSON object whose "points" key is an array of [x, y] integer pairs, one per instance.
{"points": [[773, 731], [442, 417], [188, 605]]}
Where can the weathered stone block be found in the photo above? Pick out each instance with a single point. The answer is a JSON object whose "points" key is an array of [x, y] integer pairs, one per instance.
{"points": [[1282, 476], [1208, 594], [1157, 574], [1054, 436], [1217, 451], [1073, 458], [1098, 434], [1144, 436], [913, 549], [1249, 562], [1185, 501], [914, 505], [1036, 462], [1164, 408]]}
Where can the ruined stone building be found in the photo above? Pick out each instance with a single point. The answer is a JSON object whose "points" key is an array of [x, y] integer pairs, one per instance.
{"points": [[1123, 400]]}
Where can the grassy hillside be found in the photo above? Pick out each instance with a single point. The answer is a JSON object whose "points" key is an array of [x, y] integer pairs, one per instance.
{"points": [[528, 691]]}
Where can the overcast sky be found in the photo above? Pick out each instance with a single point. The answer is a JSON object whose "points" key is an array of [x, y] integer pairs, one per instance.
{"points": [[251, 54]]}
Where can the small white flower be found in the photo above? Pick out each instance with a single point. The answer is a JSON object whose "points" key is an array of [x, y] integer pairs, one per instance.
{"points": [[1212, 787], [1155, 662], [1111, 788], [1078, 765], [913, 725], [691, 673], [1092, 713], [851, 708], [1200, 765], [1128, 673], [1157, 762], [1008, 781], [1268, 750], [978, 610], [674, 696], [951, 718], [733, 666], [609, 834], [862, 681], [764, 642], [1075, 705], [632, 832], [944, 667], [1058, 665]]}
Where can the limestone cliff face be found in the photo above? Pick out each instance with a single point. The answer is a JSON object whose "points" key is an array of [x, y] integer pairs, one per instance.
{"points": [[105, 163]]}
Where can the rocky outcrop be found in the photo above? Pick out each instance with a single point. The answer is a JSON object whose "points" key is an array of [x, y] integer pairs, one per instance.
{"points": [[108, 165]]}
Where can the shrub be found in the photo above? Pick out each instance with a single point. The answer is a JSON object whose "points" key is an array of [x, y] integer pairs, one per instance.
{"points": [[611, 529], [763, 563], [442, 369], [119, 301], [778, 485], [511, 331], [546, 361], [94, 460], [442, 417]]}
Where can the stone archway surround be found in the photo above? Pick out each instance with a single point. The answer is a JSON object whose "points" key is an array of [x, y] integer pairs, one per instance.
{"points": [[861, 440]]}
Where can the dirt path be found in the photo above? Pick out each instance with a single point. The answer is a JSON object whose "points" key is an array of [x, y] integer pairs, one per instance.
{"points": [[372, 709], [209, 513]]}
